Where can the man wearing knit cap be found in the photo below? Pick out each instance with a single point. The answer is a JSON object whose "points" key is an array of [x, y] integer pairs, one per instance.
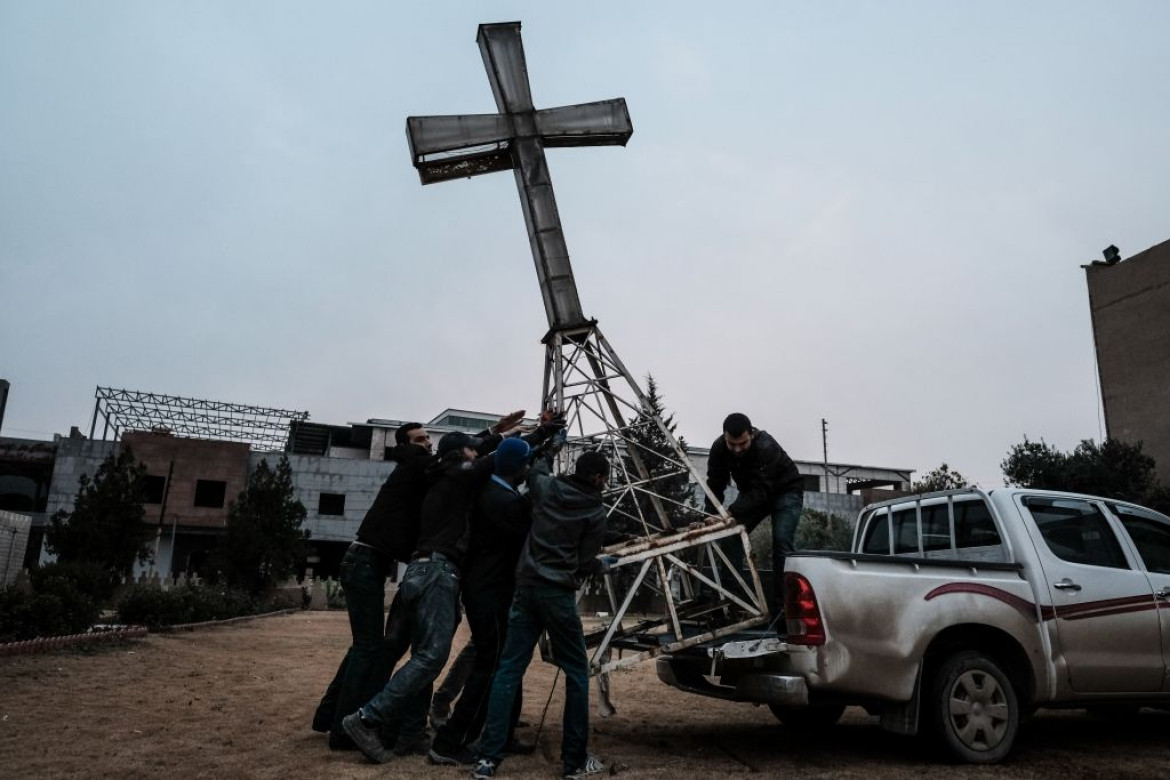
{"points": [[500, 520]]}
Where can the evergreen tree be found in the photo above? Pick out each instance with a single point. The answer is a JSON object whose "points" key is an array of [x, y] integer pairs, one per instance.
{"points": [[1111, 469], [942, 478], [106, 526], [667, 477], [264, 542]]}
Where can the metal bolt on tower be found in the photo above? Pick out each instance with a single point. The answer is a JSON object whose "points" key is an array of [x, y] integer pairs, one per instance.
{"points": [[679, 554]]}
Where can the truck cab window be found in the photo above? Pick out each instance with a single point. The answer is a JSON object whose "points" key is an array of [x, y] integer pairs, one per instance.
{"points": [[974, 526], [906, 531], [877, 535], [1076, 531], [936, 528], [1150, 533]]}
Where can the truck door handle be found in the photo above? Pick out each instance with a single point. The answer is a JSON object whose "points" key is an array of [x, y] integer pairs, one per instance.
{"points": [[1066, 584], [1164, 593]]}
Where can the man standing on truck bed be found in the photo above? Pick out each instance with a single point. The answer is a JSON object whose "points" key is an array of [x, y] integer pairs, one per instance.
{"points": [[768, 484]]}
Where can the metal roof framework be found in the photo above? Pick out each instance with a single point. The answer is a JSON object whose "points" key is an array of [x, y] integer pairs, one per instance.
{"points": [[264, 429]]}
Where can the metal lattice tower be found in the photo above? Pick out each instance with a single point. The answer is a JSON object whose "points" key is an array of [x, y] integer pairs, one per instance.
{"points": [[680, 551]]}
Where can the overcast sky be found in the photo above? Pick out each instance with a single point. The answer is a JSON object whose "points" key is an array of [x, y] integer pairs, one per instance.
{"points": [[869, 212]]}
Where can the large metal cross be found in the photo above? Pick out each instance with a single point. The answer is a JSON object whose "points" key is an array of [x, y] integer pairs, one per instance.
{"points": [[451, 147]]}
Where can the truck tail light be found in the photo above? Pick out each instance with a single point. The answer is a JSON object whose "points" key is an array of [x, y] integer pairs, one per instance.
{"points": [[802, 615]]}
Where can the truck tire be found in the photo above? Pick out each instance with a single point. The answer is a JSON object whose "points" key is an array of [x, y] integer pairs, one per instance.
{"points": [[815, 717], [973, 711]]}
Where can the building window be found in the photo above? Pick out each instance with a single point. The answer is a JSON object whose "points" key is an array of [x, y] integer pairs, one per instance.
{"points": [[153, 489], [812, 484], [210, 493], [331, 504]]}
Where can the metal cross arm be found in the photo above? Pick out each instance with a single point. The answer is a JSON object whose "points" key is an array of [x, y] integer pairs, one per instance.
{"points": [[440, 143], [451, 147]]}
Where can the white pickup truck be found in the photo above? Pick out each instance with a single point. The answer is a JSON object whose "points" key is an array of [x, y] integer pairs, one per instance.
{"points": [[957, 614]]}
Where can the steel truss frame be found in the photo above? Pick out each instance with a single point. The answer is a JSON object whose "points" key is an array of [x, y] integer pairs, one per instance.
{"points": [[265, 429], [683, 552]]}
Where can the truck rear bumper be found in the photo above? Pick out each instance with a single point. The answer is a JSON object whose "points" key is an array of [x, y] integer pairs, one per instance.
{"points": [[760, 687]]}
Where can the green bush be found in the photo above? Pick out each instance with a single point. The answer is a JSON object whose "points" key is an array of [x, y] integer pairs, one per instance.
{"points": [[153, 607], [88, 578], [822, 531], [64, 610]]}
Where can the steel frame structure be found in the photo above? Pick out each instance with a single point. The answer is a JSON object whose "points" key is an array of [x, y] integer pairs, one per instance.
{"points": [[265, 429], [681, 553]]}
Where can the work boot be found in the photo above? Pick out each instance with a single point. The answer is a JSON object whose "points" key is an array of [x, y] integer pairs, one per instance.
{"points": [[365, 736]]}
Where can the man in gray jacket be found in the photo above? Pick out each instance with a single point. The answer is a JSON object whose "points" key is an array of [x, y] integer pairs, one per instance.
{"points": [[568, 525]]}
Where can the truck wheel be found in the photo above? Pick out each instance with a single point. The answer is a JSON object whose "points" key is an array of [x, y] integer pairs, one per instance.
{"points": [[812, 718], [973, 709]]}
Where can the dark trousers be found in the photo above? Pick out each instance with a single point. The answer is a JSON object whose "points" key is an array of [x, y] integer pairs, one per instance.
{"points": [[366, 665], [487, 617], [429, 593], [536, 609], [455, 680]]}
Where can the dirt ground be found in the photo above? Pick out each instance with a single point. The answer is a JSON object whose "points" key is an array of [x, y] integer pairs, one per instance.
{"points": [[237, 702]]}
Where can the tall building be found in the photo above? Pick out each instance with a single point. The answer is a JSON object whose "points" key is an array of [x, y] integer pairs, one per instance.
{"points": [[1130, 305]]}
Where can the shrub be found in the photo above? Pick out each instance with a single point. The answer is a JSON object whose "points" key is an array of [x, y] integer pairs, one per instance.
{"points": [[153, 607], [62, 610], [823, 531], [86, 577]]}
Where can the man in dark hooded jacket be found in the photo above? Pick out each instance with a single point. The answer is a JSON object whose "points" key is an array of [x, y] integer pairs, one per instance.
{"points": [[568, 527]]}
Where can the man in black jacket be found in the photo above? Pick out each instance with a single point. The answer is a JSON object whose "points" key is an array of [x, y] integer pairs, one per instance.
{"points": [[568, 526], [768, 484], [388, 534], [429, 593], [500, 521]]}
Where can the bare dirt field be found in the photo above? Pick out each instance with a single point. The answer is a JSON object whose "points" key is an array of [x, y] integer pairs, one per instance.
{"points": [[237, 701]]}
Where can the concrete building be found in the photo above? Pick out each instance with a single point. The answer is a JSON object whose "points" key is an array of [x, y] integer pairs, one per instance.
{"points": [[1130, 305]]}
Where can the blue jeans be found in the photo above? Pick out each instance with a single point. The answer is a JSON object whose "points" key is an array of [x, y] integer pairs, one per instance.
{"points": [[786, 509], [429, 596], [535, 609]]}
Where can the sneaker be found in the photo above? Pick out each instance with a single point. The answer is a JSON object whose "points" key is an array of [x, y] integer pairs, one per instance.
{"points": [[365, 736], [591, 767], [417, 747], [516, 747], [484, 769], [459, 756]]}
